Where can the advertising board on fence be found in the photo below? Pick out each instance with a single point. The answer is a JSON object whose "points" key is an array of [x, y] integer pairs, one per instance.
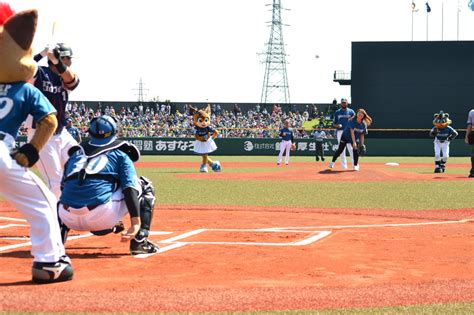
{"points": [[304, 147]]}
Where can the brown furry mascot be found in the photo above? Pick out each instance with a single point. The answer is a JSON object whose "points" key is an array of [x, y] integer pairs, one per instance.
{"points": [[204, 135]]}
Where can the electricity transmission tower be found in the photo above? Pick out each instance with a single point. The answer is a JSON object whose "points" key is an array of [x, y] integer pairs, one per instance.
{"points": [[140, 91], [275, 82]]}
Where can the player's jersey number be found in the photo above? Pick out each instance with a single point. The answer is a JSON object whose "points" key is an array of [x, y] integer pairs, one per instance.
{"points": [[6, 106], [94, 166]]}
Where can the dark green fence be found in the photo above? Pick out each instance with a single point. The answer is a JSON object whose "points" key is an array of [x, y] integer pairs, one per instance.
{"points": [[304, 147]]}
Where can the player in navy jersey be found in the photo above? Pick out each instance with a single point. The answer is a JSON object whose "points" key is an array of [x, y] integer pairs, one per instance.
{"points": [[73, 131], [287, 142], [19, 186], [100, 186], [341, 118], [353, 137], [56, 81]]}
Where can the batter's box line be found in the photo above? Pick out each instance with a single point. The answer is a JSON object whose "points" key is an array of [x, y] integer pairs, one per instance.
{"points": [[363, 226], [176, 241]]}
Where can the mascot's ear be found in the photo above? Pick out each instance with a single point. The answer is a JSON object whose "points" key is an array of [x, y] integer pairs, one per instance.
{"points": [[446, 115], [207, 110], [192, 110]]}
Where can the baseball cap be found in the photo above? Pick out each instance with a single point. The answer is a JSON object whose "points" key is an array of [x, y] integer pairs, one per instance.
{"points": [[343, 100]]}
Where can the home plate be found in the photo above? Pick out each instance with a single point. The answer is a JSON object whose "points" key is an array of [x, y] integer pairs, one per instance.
{"points": [[392, 164]]}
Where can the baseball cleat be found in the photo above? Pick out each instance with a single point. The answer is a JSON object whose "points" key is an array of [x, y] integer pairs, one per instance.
{"points": [[142, 247], [471, 175], [331, 165], [356, 167], [52, 272], [323, 159], [437, 170], [203, 168], [216, 166], [278, 164]]}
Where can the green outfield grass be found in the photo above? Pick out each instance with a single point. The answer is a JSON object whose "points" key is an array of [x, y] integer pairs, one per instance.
{"points": [[434, 309], [409, 195]]}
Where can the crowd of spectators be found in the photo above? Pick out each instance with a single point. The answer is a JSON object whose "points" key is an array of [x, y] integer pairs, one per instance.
{"points": [[160, 121]]}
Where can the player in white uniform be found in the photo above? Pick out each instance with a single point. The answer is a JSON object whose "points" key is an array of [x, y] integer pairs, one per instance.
{"points": [[22, 188], [56, 81], [341, 118], [287, 142]]}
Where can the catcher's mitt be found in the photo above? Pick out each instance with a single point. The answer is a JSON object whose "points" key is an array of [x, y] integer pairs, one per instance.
{"points": [[362, 150], [293, 147]]}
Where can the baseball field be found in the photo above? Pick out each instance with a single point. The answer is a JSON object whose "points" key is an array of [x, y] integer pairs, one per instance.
{"points": [[259, 238]]}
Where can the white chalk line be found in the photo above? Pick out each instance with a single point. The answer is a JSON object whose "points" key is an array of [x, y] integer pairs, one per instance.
{"points": [[365, 225], [12, 225], [14, 246], [12, 219]]}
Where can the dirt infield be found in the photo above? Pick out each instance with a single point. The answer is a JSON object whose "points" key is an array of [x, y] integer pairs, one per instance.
{"points": [[263, 258], [302, 172]]}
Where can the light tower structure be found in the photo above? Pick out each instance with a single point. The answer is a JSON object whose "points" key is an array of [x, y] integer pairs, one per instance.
{"points": [[275, 82], [140, 91]]}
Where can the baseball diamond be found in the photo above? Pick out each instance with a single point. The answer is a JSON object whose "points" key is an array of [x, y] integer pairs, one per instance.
{"points": [[145, 168]]}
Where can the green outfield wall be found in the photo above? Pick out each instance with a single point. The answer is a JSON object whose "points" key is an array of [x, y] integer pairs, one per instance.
{"points": [[304, 147]]}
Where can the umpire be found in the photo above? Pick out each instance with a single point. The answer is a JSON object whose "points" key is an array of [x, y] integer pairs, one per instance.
{"points": [[319, 135], [469, 139]]}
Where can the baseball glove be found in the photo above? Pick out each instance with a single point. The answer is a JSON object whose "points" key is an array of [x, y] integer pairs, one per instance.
{"points": [[362, 150], [293, 147]]}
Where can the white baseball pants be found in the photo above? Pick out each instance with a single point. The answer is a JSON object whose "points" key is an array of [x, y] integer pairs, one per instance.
{"points": [[285, 145], [441, 149], [101, 218], [29, 195], [343, 154], [52, 159]]}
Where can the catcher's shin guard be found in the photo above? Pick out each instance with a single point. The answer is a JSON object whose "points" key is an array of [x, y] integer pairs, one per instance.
{"points": [[147, 203]]}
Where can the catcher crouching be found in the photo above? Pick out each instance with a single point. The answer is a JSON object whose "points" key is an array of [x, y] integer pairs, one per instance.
{"points": [[100, 186]]}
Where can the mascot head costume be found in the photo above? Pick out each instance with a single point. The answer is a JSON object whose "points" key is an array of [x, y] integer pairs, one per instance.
{"points": [[17, 66], [441, 120], [16, 36]]}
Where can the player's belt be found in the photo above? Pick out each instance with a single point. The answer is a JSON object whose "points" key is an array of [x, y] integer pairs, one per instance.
{"points": [[92, 207]]}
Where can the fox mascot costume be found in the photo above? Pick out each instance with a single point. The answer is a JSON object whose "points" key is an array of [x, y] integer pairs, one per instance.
{"points": [[22, 188], [204, 135]]}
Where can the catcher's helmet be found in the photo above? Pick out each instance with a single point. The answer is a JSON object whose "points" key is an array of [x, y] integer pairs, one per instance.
{"points": [[64, 50], [103, 130]]}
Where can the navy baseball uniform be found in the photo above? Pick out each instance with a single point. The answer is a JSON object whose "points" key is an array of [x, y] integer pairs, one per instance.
{"points": [[54, 154], [341, 117], [359, 129], [442, 139]]}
